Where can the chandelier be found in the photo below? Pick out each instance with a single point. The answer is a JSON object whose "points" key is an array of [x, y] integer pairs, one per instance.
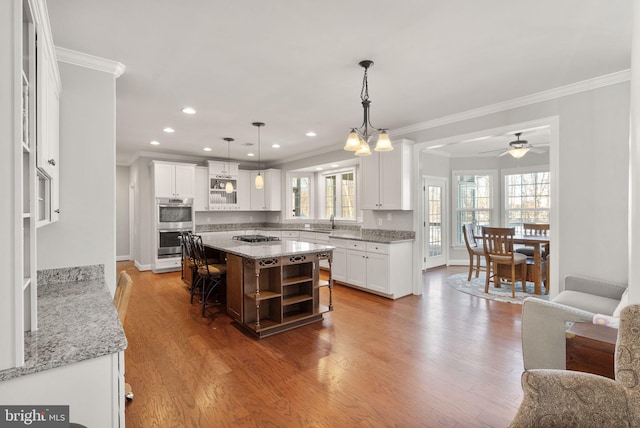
{"points": [[359, 138]]}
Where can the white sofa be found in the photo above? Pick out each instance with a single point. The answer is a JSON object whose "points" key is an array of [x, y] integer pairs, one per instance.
{"points": [[544, 322]]}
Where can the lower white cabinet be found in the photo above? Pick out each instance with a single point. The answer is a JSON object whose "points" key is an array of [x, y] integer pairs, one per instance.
{"points": [[383, 269]]}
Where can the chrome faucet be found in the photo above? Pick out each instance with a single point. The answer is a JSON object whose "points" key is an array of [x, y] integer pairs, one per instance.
{"points": [[333, 222]]}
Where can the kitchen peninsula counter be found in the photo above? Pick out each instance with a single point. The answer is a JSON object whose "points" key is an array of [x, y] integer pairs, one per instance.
{"points": [[76, 321], [274, 286]]}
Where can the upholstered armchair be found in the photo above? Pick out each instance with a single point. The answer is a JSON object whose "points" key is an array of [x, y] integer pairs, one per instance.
{"points": [[561, 398]]}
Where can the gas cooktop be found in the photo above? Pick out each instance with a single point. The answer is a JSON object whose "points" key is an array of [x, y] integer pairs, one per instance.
{"points": [[255, 238]]}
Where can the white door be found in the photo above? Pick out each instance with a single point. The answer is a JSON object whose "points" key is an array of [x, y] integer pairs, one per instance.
{"points": [[435, 222]]}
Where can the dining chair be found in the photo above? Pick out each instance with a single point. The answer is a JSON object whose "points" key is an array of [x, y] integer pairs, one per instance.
{"points": [[536, 229], [210, 276], [502, 262], [476, 252], [121, 302]]}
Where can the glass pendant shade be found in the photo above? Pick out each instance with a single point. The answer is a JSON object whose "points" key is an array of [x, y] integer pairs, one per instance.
{"points": [[259, 181], [384, 143], [519, 152], [228, 187], [353, 141], [363, 150]]}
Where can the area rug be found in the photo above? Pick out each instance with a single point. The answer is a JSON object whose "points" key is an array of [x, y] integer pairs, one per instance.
{"points": [[503, 294]]}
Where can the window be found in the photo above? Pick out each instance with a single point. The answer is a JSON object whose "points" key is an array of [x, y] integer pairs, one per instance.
{"points": [[300, 195], [339, 194], [474, 198], [527, 198]]}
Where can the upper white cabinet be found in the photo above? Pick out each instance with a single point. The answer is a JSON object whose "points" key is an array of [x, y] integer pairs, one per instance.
{"points": [[173, 180], [244, 190], [268, 198], [220, 174], [47, 93], [220, 169], [201, 198], [386, 178]]}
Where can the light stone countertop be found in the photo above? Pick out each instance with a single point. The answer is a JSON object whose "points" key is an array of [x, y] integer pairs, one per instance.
{"points": [[262, 250], [76, 321]]}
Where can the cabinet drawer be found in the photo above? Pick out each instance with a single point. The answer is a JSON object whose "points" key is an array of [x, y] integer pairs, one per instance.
{"points": [[322, 237], [339, 243], [357, 245], [308, 236], [374, 247], [173, 262]]}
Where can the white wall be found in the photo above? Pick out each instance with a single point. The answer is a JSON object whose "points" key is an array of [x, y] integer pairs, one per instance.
{"points": [[85, 233], [122, 213], [592, 169]]}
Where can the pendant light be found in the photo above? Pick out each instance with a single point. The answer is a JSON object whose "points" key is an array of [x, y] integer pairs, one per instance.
{"points": [[229, 186], [358, 138], [259, 180]]}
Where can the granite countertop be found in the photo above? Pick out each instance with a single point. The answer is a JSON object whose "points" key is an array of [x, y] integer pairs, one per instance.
{"points": [[381, 236], [76, 321], [261, 250]]}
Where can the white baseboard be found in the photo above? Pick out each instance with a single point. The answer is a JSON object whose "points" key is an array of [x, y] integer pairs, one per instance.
{"points": [[123, 258], [141, 267]]}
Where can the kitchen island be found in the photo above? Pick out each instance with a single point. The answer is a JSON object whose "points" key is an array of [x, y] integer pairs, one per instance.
{"points": [[273, 286]]}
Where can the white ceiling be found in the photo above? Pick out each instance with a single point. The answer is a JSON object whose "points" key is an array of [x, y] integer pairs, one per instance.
{"points": [[293, 64]]}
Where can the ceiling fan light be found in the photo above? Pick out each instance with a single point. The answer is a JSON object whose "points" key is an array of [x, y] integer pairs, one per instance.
{"points": [[363, 150], [259, 181], [518, 152], [384, 143], [353, 141], [228, 187]]}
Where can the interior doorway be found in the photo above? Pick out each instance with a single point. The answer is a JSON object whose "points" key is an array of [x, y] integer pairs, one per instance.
{"points": [[435, 222]]}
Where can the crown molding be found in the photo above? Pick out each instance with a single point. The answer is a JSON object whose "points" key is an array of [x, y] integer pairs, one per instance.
{"points": [[90, 61], [562, 91]]}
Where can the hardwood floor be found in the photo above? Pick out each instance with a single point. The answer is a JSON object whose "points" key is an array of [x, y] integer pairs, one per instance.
{"points": [[443, 359]]}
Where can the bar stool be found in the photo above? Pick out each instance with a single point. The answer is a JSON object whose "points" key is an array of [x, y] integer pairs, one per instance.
{"points": [[210, 276]]}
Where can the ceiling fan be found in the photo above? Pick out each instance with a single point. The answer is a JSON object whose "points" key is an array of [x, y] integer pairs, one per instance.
{"points": [[518, 148]]}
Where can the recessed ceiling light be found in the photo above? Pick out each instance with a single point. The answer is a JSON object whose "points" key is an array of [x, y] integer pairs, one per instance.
{"points": [[335, 165], [275, 146], [189, 110], [319, 168], [207, 149], [310, 134], [250, 154], [169, 130], [154, 143], [437, 146]]}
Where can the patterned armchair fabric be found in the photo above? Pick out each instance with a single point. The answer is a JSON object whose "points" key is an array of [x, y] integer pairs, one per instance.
{"points": [[561, 398]]}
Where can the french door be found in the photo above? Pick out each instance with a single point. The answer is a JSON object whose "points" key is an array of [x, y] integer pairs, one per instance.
{"points": [[435, 222]]}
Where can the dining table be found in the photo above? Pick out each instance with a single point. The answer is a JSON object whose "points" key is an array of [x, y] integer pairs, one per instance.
{"points": [[534, 241]]}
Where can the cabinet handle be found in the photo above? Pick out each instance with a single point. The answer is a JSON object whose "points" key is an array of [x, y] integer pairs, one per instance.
{"points": [[52, 162]]}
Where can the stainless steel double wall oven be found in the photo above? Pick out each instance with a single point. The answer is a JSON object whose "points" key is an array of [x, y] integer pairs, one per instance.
{"points": [[173, 216]]}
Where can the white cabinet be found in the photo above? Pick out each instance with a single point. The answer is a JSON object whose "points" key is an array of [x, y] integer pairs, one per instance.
{"points": [[387, 178], [383, 269], [47, 92], [220, 174], [223, 169], [173, 180], [201, 197], [244, 190], [357, 267], [269, 197]]}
